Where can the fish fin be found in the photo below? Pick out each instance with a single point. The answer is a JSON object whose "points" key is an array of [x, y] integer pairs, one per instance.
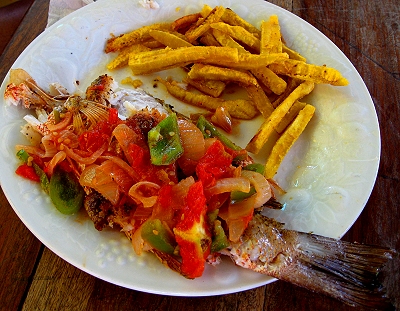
{"points": [[344, 270]]}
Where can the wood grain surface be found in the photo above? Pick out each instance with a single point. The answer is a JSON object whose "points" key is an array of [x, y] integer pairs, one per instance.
{"points": [[367, 31]]}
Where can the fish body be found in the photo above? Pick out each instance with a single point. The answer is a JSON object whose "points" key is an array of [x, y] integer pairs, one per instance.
{"points": [[343, 270]]}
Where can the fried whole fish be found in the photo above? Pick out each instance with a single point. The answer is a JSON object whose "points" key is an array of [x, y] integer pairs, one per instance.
{"points": [[343, 270]]}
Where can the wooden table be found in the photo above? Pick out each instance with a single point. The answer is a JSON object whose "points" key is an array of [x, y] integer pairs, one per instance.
{"points": [[33, 278]]}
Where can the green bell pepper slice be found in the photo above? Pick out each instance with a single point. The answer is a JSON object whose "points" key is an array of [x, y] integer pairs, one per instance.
{"points": [[164, 141], [66, 193], [44, 180], [155, 233], [210, 131], [220, 240]]}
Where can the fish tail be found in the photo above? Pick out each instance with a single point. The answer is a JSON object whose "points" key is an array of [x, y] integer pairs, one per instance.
{"points": [[346, 271]]}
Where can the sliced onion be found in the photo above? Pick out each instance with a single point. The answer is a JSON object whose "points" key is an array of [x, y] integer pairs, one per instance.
{"points": [[58, 157], [32, 150], [94, 177], [137, 241], [60, 125], [122, 164], [125, 136], [88, 160], [68, 138], [222, 119], [49, 145], [137, 194], [228, 185], [193, 144], [262, 186]]}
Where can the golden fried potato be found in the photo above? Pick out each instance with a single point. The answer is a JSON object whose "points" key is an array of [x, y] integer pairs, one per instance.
{"points": [[123, 56], [183, 23], [136, 36], [226, 40], [260, 99], [239, 108], [231, 18], [203, 24], [209, 72], [270, 79], [248, 61], [271, 40], [269, 125], [286, 140], [240, 34], [170, 39], [158, 60], [289, 117], [308, 72], [293, 54], [213, 88]]}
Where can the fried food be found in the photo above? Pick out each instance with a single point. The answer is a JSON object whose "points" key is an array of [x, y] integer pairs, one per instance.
{"points": [[269, 125], [210, 72], [271, 40], [136, 36], [301, 70], [216, 47], [158, 60], [239, 108], [287, 139]]}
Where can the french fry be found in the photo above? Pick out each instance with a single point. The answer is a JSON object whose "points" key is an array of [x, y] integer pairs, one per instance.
{"points": [[293, 54], [215, 47], [266, 76], [269, 125], [262, 102], [240, 34], [203, 24], [158, 60], [308, 72], [291, 84], [136, 36], [286, 140], [172, 40], [289, 117], [123, 57], [183, 23], [271, 41], [226, 40], [153, 44], [208, 39], [209, 72], [213, 88], [239, 108], [248, 61], [270, 79], [231, 18]]}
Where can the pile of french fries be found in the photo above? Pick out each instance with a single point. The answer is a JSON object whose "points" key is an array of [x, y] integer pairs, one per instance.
{"points": [[217, 47]]}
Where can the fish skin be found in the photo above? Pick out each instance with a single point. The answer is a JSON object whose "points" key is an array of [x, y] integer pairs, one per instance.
{"points": [[343, 270]]}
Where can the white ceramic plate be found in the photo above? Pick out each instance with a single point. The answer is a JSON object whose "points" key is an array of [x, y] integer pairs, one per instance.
{"points": [[328, 174]]}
